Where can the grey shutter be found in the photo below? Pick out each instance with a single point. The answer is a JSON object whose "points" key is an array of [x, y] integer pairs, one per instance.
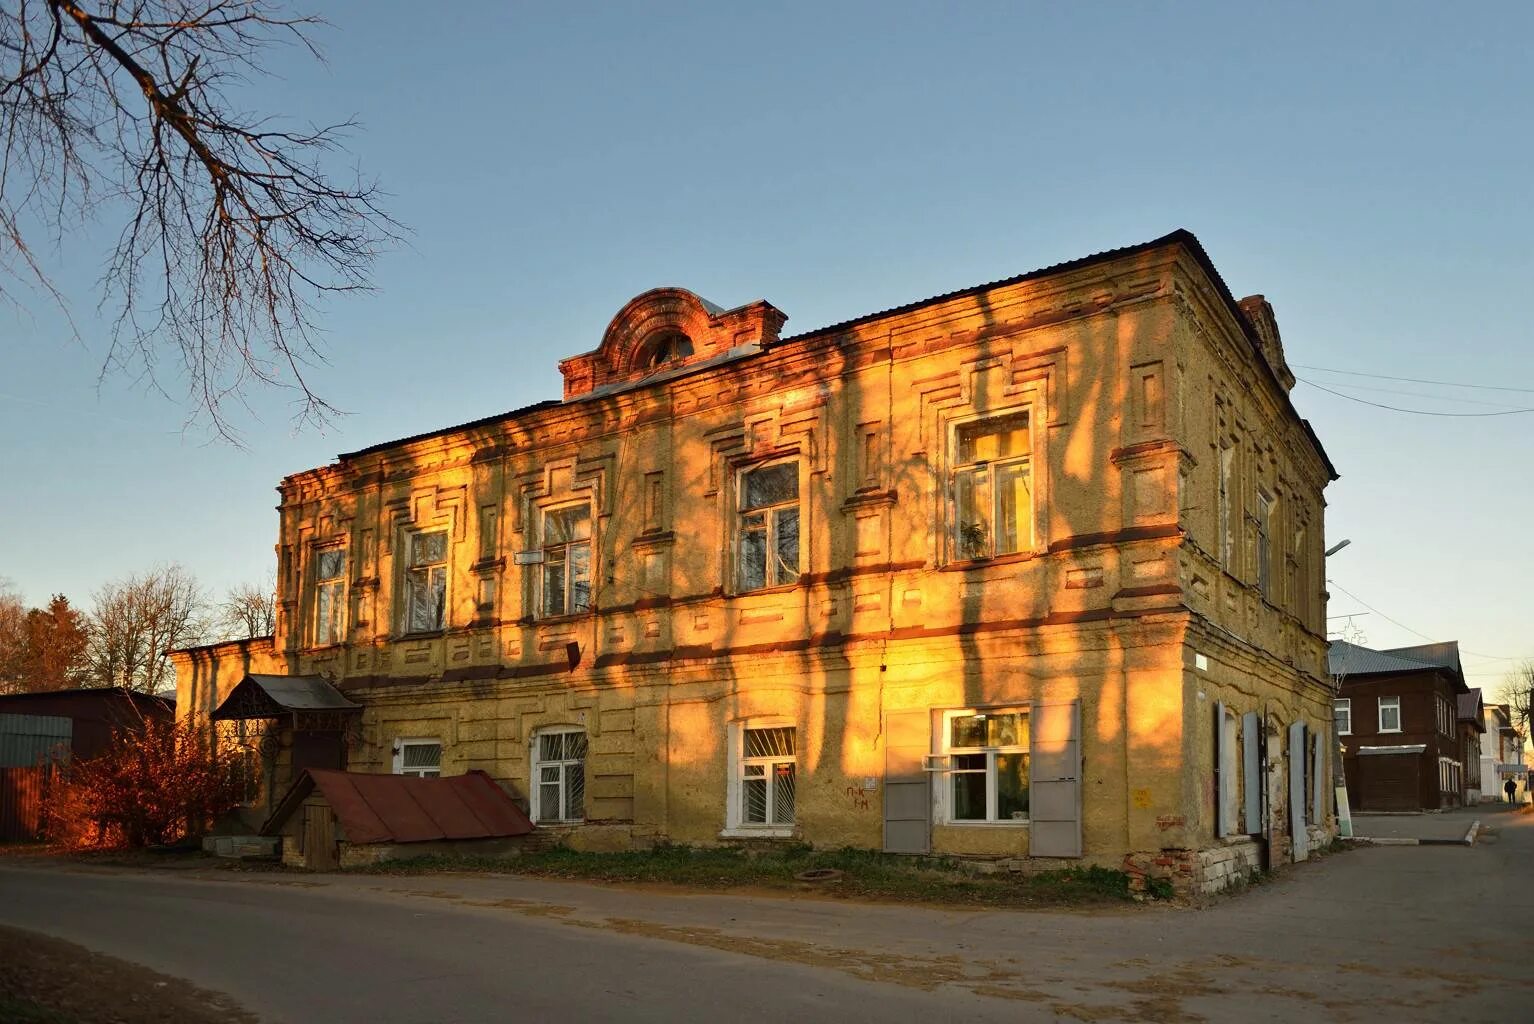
{"points": [[1055, 786], [907, 791], [1318, 775], [1297, 760], [1223, 826], [1251, 772]]}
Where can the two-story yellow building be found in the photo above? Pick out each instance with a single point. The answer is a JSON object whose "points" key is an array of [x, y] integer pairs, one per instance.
{"points": [[1027, 570]]}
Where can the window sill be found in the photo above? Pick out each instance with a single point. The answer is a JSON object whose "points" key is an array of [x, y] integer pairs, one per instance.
{"points": [[973, 564], [1387, 732], [426, 634], [781, 588], [986, 824], [763, 832], [556, 620]]}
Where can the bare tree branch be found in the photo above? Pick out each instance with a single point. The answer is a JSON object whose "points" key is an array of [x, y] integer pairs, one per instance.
{"points": [[233, 229]]}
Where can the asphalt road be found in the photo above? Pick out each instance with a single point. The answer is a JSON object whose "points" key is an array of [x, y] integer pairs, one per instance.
{"points": [[1398, 933]]}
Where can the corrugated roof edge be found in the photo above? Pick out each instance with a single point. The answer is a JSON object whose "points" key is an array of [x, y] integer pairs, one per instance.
{"points": [[1182, 236]]}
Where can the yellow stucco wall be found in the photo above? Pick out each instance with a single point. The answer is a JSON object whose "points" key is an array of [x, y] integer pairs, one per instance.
{"points": [[1134, 371]]}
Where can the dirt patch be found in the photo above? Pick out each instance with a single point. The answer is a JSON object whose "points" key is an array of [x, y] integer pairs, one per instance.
{"points": [[49, 981]]}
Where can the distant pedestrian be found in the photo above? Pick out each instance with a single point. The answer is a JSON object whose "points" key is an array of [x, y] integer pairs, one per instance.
{"points": [[1510, 787]]}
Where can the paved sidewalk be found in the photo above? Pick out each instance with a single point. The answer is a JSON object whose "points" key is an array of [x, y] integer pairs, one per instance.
{"points": [[1448, 826]]}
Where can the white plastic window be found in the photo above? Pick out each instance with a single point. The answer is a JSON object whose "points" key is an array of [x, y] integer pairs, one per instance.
{"points": [[1390, 714], [1342, 714], [987, 765], [559, 768], [421, 758]]}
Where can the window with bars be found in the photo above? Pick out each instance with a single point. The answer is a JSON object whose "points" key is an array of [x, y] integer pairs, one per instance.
{"points": [[329, 594], [426, 583], [566, 561], [986, 764], [559, 766], [767, 770], [767, 533], [991, 488], [421, 758]]}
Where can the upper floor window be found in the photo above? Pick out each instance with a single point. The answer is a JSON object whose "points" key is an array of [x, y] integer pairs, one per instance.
{"points": [[1222, 503], [329, 594], [421, 758], [559, 766], [426, 582], [987, 764], [1390, 714], [1342, 714], [566, 561], [1265, 545], [768, 529], [992, 491], [667, 349]]}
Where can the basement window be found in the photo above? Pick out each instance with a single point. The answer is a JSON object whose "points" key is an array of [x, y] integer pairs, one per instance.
{"points": [[421, 758]]}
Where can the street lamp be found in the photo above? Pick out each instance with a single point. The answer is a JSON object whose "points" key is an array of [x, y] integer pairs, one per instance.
{"points": [[1336, 548]]}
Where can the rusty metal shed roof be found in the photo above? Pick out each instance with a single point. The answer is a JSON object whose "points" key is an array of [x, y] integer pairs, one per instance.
{"points": [[282, 693], [405, 809]]}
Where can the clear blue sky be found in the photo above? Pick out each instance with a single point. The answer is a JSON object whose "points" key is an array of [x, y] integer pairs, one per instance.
{"points": [[1367, 168]]}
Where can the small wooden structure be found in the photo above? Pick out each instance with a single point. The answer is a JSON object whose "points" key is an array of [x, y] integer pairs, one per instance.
{"points": [[331, 819]]}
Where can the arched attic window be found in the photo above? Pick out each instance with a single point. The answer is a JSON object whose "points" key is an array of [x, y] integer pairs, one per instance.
{"points": [[667, 348]]}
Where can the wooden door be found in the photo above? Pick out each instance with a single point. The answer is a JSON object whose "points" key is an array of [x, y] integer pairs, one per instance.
{"points": [[319, 840]]}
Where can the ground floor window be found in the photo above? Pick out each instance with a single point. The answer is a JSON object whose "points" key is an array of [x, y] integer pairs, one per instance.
{"points": [[421, 758], [986, 757], [559, 766], [765, 777]]}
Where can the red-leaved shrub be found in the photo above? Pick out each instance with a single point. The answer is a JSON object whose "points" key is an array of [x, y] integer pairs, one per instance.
{"points": [[153, 786]]}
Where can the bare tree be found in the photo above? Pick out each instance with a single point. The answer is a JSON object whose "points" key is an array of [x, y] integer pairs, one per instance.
{"points": [[13, 639], [232, 228], [249, 610], [1518, 695], [137, 621]]}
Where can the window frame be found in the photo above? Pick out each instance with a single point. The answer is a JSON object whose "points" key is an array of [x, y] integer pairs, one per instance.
{"points": [[946, 800], [735, 817], [564, 548], [407, 624], [772, 515], [336, 585], [1265, 506], [536, 781], [401, 743], [1225, 475], [992, 467], [1380, 705], [1347, 708]]}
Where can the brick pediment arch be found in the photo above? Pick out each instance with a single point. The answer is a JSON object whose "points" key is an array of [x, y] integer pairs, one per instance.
{"points": [[664, 329]]}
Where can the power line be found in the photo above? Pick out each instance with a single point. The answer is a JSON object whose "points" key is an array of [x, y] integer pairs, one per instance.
{"points": [[1424, 394], [1416, 412], [1413, 632], [1413, 380]]}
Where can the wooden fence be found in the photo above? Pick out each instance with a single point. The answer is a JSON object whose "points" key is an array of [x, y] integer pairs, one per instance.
{"points": [[23, 795]]}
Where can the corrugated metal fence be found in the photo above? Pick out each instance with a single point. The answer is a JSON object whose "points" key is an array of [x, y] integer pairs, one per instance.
{"points": [[23, 794], [26, 740]]}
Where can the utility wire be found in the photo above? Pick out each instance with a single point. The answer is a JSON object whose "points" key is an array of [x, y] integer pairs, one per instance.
{"points": [[1413, 632], [1423, 394], [1398, 408], [1413, 380]]}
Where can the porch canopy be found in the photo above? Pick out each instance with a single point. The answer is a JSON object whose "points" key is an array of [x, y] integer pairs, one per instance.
{"points": [[311, 701]]}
